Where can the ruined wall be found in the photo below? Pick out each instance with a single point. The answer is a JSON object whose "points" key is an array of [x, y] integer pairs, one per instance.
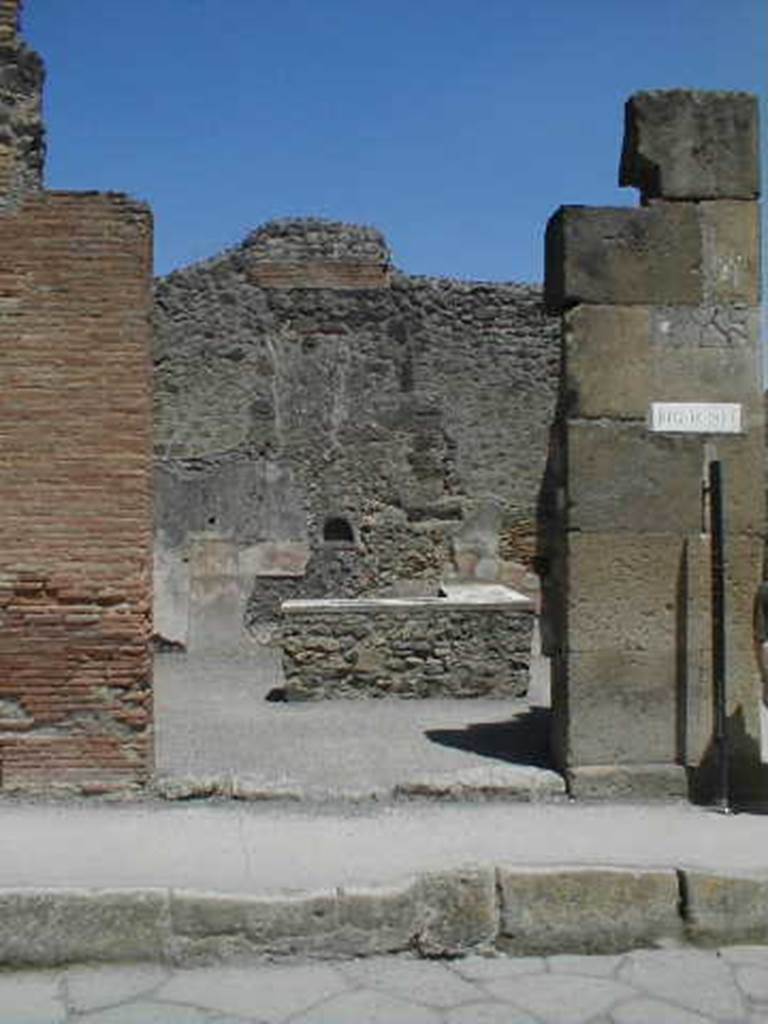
{"points": [[299, 378], [22, 135], [75, 454], [417, 647]]}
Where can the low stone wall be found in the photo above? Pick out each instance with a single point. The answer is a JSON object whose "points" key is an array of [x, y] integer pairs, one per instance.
{"points": [[416, 647]]}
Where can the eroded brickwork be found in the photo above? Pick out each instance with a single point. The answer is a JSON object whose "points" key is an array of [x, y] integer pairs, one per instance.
{"points": [[75, 424]]}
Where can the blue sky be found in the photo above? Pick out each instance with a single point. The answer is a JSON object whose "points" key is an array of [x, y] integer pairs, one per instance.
{"points": [[454, 127]]}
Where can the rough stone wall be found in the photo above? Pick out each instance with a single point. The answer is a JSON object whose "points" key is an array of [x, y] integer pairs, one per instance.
{"points": [[75, 460], [22, 136], [417, 409], [660, 304], [404, 648]]}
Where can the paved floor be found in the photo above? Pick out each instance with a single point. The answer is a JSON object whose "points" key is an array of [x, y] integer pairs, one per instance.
{"points": [[675, 986], [213, 718]]}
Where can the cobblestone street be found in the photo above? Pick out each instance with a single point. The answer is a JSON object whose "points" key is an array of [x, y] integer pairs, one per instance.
{"points": [[675, 986]]}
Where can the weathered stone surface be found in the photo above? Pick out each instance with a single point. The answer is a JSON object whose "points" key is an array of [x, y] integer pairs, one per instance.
{"points": [[440, 913], [53, 926], [719, 909], [624, 479], [730, 234], [628, 782], [689, 144], [586, 911], [622, 706], [405, 648], [623, 586], [648, 256], [618, 359]]}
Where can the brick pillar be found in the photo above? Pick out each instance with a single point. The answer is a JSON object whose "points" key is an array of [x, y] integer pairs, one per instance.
{"points": [[659, 304], [22, 136], [75, 458]]}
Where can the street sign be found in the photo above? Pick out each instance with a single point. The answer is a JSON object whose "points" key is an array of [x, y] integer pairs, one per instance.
{"points": [[695, 418]]}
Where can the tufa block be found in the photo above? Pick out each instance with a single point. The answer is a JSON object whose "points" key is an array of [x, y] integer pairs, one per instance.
{"points": [[686, 144]]}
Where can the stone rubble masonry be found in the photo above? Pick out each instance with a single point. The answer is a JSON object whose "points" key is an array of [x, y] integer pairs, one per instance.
{"points": [[314, 253], [525, 912], [22, 135], [405, 648], [418, 411], [659, 303], [75, 460]]}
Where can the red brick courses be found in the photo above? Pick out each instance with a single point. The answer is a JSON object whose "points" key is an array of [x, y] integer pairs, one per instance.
{"points": [[75, 513]]}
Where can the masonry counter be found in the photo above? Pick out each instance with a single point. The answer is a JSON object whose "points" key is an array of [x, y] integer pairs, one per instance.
{"points": [[407, 647]]}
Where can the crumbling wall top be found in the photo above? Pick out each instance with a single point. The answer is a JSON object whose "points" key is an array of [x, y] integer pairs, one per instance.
{"points": [[10, 18]]}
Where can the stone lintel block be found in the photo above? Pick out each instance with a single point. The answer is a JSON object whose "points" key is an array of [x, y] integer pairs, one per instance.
{"points": [[46, 927], [691, 144], [621, 707], [730, 232], [623, 256], [624, 591], [718, 909], [586, 910], [623, 478], [619, 359], [628, 782]]}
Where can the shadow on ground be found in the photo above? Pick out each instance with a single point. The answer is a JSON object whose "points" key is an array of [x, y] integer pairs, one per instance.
{"points": [[522, 740]]}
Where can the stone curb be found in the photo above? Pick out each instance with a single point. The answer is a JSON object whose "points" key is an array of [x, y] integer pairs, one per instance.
{"points": [[478, 784], [436, 915]]}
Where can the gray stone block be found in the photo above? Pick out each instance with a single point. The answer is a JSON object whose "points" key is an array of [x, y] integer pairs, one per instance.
{"points": [[628, 782], [718, 909], [586, 911], [623, 256], [53, 926], [622, 707], [690, 144], [730, 232], [623, 478], [623, 591], [619, 359]]}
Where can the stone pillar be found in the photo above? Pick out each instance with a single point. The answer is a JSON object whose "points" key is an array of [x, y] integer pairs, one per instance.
{"points": [[659, 304]]}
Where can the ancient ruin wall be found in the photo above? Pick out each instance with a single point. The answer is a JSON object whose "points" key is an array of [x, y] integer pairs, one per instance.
{"points": [[408, 647], [22, 135], [300, 379], [75, 520]]}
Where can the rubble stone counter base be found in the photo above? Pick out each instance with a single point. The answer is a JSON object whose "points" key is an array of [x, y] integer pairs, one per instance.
{"points": [[414, 647]]}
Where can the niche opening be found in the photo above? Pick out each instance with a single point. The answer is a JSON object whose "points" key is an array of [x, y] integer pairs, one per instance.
{"points": [[337, 530]]}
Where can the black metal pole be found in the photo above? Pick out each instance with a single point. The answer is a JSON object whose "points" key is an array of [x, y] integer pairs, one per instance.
{"points": [[718, 633]]}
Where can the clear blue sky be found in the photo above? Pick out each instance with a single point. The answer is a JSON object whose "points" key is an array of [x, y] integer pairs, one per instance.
{"points": [[454, 127]]}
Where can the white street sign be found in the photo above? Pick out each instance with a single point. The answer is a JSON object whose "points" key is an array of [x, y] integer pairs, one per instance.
{"points": [[695, 418]]}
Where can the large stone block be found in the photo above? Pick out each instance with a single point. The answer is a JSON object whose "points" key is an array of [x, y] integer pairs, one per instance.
{"points": [[619, 359], [586, 911], [686, 144], [55, 926], [622, 707], [622, 478], [730, 234], [719, 910], [623, 256], [628, 782], [624, 591]]}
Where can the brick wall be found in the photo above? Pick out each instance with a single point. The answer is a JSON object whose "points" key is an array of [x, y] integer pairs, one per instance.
{"points": [[75, 521]]}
